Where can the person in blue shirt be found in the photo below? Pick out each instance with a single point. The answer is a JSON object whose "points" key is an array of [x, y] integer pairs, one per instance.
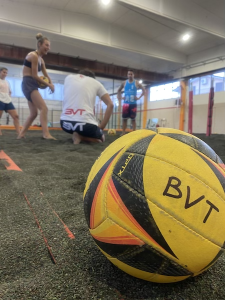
{"points": [[130, 86]]}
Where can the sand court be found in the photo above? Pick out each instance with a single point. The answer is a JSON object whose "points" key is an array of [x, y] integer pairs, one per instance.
{"points": [[46, 251]]}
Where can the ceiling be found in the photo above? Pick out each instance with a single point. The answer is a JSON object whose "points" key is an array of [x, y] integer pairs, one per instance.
{"points": [[142, 34]]}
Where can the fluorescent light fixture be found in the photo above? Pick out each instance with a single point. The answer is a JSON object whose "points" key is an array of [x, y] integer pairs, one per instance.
{"points": [[105, 2], [186, 37], [140, 81]]}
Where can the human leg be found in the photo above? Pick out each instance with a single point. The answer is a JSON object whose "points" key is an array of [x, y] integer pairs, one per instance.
{"points": [[133, 113], [124, 126], [29, 120], [84, 132], [1, 112], [77, 138], [13, 113], [133, 121], [125, 116], [39, 103]]}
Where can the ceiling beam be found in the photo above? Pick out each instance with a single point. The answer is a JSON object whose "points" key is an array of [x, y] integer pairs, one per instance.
{"points": [[82, 27], [184, 12], [16, 55]]}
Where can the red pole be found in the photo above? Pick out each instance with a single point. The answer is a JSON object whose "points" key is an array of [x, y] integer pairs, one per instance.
{"points": [[190, 110], [210, 110]]}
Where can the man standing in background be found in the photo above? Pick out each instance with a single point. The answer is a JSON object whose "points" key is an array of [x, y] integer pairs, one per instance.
{"points": [[6, 101], [130, 99]]}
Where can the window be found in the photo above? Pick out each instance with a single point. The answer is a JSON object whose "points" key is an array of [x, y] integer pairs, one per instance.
{"points": [[195, 85], [166, 91], [205, 84], [202, 85], [218, 79], [17, 87], [221, 74], [11, 83], [115, 100], [15, 84]]}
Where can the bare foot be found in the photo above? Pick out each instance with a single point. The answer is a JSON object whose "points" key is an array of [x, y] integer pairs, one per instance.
{"points": [[103, 138], [77, 138], [20, 137], [49, 137]]}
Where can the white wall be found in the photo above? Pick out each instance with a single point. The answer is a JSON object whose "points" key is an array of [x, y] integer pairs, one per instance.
{"points": [[54, 111], [200, 113], [164, 109]]}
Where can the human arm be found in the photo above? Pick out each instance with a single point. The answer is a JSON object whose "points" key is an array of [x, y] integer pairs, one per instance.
{"points": [[119, 96], [44, 71], [34, 72], [107, 100], [10, 91], [140, 86]]}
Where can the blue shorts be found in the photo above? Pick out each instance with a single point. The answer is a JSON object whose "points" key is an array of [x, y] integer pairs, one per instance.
{"points": [[29, 84], [6, 106], [84, 129]]}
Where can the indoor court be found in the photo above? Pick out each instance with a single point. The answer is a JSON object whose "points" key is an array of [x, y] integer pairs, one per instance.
{"points": [[175, 50], [52, 177]]}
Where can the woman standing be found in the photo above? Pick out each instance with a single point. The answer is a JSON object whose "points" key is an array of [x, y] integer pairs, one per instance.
{"points": [[33, 64]]}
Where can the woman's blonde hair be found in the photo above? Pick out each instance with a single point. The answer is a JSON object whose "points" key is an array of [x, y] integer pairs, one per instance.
{"points": [[40, 39]]}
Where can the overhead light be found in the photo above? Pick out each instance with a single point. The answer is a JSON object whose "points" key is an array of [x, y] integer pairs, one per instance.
{"points": [[186, 37], [140, 81], [105, 2]]}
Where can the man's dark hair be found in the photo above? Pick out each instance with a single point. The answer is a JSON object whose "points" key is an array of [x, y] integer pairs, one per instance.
{"points": [[3, 68], [87, 72], [130, 70]]}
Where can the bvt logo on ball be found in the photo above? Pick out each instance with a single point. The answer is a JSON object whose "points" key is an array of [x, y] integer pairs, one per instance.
{"points": [[155, 205], [173, 190]]}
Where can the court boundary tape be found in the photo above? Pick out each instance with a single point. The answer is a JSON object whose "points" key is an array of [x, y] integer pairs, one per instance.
{"points": [[42, 233], [68, 231], [11, 165]]}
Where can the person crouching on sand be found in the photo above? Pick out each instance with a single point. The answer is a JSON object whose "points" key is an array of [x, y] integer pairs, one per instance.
{"points": [[77, 118]]}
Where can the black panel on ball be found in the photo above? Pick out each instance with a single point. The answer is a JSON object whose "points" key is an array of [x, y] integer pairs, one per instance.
{"points": [[196, 144], [214, 169], [141, 146], [129, 168], [138, 207], [149, 260], [89, 197], [144, 258]]}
